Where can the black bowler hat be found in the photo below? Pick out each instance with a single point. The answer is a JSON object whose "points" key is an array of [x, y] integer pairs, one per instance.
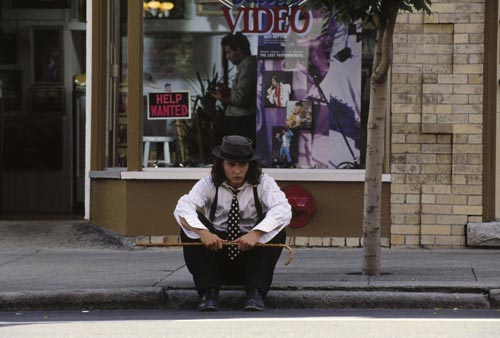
{"points": [[236, 148]]}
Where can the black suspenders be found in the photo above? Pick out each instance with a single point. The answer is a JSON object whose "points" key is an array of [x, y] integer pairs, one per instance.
{"points": [[214, 205], [258, 206]]}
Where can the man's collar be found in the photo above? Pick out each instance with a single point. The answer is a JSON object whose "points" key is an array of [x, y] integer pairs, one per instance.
{"points": [[227, 186]]}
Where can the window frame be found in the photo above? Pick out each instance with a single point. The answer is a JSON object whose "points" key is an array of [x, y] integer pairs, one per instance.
{"points": [[134, 169]]}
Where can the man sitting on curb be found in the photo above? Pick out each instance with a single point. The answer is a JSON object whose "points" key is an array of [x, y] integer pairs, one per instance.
{"points": [[244, 207]]}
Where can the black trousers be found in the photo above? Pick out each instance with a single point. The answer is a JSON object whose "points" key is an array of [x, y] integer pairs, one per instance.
{"points": [[252, 269]]}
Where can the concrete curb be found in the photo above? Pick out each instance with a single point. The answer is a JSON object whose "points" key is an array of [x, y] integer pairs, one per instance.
{"points": [[378, 299], [232, 299], [120, 298], [155, 297], [495, 298]]}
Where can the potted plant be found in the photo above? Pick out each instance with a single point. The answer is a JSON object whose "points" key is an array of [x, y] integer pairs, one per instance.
{"points": [[199, 134]]}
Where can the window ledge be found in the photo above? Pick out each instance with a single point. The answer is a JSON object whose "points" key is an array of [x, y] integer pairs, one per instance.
{"points": [[107, 173], [318, 175]]}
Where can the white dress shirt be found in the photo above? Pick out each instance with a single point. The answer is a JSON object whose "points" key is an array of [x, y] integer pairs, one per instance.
{"points": [[273, 200]]}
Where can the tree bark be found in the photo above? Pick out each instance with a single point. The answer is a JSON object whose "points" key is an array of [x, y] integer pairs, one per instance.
{"points": [[373, 178], [375, 140]]}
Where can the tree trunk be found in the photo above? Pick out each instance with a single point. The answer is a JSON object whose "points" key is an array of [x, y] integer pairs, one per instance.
{"points": [[375, 138], [373, 178]]}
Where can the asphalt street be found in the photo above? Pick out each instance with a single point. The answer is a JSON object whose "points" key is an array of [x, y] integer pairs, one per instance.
{"points": [[285, 323]]}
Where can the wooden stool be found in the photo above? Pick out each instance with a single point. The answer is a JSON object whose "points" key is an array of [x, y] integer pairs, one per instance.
{"points": [[156, 139]]}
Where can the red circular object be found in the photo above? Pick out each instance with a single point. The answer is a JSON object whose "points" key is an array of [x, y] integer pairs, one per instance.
{"points": [[303, 205]]}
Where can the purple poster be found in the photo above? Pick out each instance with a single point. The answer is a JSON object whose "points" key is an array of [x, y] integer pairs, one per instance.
{"points": [[309, 96]]}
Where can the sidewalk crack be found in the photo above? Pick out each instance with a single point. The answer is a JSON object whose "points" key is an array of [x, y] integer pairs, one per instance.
{"points": [[19, 258], [474, 274], [168, 275]]}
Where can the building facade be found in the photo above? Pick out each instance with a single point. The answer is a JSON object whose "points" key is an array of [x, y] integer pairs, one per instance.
{"points": [[440, 167]]}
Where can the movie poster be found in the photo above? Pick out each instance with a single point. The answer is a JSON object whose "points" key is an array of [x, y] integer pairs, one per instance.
{"points": [[309, 96]]}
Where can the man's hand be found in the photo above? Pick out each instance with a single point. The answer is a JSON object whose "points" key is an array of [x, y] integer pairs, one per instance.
{"points": [[222, 93], [248, 241], [210, 240], [217, 95]]}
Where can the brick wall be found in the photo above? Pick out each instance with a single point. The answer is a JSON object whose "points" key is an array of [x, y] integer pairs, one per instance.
{"points": [[436, 124], [295, 241]]}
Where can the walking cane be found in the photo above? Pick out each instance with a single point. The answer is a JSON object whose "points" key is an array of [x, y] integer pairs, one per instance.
{"points": [[268, 245]]}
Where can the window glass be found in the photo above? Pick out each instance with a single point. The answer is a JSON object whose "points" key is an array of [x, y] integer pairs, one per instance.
{"points": [[116, 110], [296, 90]]}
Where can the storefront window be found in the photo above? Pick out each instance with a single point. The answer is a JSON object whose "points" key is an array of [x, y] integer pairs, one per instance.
{"points": [[306, 103], [116, 117], [183, 56]]}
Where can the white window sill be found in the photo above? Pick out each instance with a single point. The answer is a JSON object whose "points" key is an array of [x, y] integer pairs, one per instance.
{"points": [[316, 175]]}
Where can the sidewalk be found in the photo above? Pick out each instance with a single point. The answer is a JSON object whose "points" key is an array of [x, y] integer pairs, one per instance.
{"points": [[60, 270]]}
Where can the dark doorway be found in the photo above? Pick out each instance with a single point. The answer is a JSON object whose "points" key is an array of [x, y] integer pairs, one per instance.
{"points": [[42, 111]]}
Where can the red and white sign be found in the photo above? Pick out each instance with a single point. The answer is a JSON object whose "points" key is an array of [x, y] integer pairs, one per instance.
{"points": [[169, 105]]}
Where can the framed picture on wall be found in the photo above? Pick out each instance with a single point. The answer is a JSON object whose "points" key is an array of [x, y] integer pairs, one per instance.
{"points": [[47, 55], [47, 100], [12, 89]]}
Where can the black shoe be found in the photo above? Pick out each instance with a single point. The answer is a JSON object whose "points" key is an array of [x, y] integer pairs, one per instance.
{"points": [[254, 300], [209, 300]]}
